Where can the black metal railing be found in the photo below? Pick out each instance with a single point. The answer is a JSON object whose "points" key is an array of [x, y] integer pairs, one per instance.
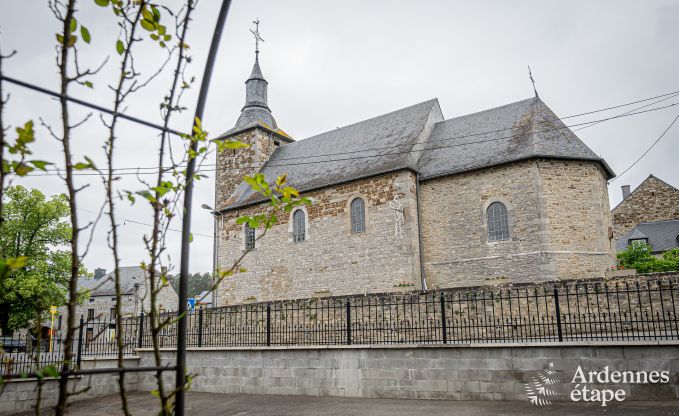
{"points": [[547, 313], [96, 337]]}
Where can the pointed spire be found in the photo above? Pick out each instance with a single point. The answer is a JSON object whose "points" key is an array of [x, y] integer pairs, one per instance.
{"points": [[256, 109], [256, 71]]}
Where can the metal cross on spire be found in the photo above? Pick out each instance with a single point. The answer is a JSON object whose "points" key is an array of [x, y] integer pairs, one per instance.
{"points": [[256, 34], [530, 75]]}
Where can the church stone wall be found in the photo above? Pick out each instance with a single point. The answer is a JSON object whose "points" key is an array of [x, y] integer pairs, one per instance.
{"points": [[653, 200], [332, 261], [578, 216], [558, 220], [233, 165]]}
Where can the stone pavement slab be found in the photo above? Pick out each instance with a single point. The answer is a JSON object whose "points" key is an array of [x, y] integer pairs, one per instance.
{"points": [[212, 404]]}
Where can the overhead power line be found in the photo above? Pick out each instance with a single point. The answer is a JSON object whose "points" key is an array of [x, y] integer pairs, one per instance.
{"points": [[143, 223], [589, 124], [648, 150], [628, 114]]}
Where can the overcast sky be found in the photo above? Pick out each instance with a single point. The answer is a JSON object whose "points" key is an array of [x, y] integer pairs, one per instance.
{"points": [[334, 63]]}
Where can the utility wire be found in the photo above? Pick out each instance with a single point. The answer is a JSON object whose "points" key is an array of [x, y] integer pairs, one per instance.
{"points": [[143, 223], [588, 124], [649, 149], [384, 148]]}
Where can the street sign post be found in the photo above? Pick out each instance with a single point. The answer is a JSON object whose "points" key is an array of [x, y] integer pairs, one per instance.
{"points": [[53, 312], [191, 304]]}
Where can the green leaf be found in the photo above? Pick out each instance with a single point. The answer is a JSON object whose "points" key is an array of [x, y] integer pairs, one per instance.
{"points": [[22, 169], [148, 25], [102, 3], [88, 84], [161, 30], [51, 371], [81, 166], [156, 13], [91, 163], [120, 47], [40, 164], [73, 25], [85, 34], [15, 263], [190, 237], [253, 183], [148, 195], [146, 14]]}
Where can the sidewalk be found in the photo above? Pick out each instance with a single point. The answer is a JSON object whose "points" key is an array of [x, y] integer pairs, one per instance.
{"points": [[209, 404]]}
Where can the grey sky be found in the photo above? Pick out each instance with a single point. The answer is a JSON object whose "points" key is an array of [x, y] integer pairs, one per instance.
{"points": [[334, 63]]}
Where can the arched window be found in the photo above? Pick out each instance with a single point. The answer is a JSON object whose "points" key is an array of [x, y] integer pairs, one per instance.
{"points": [[498, 223], [298, 226], [249, 237], [357, 216]]}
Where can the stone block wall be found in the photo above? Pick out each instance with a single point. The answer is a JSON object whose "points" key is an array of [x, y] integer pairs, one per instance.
{"points": [[558, 224], [577, 216], [332, 260], [233, 165], [653, 200]]}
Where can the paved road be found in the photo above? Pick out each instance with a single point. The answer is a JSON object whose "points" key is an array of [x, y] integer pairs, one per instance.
{"points": [[208, 404]]}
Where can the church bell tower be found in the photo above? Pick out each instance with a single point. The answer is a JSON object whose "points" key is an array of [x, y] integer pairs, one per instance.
{"points": [[255, 126]]}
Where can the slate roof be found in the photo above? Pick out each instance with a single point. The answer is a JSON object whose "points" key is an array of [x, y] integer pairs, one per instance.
{"points": [[105, 286], [513, 132], [418, 138], [340, 155], [662, 235]]}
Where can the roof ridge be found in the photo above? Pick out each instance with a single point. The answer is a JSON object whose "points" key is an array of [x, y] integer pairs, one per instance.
{"points": [[655, 222], [639, 186], [488, 110], [432, 100]]}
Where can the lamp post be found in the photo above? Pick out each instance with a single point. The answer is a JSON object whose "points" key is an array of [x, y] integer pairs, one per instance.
{"points": [[215, 246]]}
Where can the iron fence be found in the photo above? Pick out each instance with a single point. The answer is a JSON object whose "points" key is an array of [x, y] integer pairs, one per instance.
{"points": [[95, 338], [548, 313]]}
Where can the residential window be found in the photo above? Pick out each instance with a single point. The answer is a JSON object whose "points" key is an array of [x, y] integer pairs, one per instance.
{"points": [[498, 222], [634, 241], [91, 300], [357, 216], [90, 314], [249, 237], [59, 323], [298, 226], [113, 313]]}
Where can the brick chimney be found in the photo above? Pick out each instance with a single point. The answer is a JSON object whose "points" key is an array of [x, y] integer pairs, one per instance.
{"points": [[625, 191]]}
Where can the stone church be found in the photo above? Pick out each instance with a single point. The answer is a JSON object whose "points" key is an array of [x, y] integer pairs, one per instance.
{"points": [[411, 200]]}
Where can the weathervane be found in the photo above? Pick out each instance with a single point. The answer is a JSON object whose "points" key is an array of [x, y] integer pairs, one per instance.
{"points": [[256, 34], [530, 75]]}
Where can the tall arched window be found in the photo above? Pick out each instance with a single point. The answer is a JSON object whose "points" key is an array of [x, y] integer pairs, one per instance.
{"points": [[498, 223], [357, 216], [249, 237], [298, 226]]}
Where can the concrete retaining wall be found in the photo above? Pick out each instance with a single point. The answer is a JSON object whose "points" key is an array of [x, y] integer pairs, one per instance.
{"points": [[21, 395], [491, 372], [488, 372]]}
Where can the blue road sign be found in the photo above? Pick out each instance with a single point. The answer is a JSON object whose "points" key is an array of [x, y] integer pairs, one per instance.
{"points": [[191, 304]]}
